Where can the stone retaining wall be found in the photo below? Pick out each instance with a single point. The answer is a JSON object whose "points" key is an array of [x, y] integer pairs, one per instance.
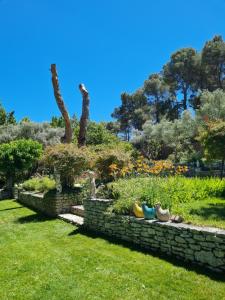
{"points": [[200, 245], [51, 203]]}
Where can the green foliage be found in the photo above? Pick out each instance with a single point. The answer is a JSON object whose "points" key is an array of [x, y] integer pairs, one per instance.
{"points": [[213, 140], [182, 73], [25, 120], [133, 112], [168, 139], [213, 64], [18, 156], [40, 184], [6, 118], [160, 99], [175, 89], [212, 106], [170, 192], [68, 160], [40, 132], [109, 157], [113, 127], [58, 122], [97, 134]]}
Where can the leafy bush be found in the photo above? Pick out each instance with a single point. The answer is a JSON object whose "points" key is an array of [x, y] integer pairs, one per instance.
{"points": [[68, 160], [18, 157], [112, 163], [168, 191], [40, 132], [97, 134], [40, 184]]}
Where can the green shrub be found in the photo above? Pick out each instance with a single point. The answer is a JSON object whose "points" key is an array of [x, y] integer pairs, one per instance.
{"points": [[68, 160], [111, 161], [168, 191], [40, 184], [17, 158]]}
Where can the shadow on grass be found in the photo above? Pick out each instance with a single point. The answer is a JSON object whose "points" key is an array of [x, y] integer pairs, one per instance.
{"points": [[212, 211], [179, 263], [11, 208], [35, 218]]}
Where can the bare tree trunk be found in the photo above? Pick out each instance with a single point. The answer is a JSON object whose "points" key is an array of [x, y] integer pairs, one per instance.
{"points": [[59, 100], [84, 117], [9, 185]]}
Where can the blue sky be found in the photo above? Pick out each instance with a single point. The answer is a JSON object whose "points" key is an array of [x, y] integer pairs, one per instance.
{"points": [[110, 45]]}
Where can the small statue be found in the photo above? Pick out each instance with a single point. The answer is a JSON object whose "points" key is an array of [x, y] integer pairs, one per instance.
{"points": [[57, 181], [137, 210], [92, 183], [163, 215]]}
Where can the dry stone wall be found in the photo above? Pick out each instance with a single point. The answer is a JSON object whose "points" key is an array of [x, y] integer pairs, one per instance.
{"points": [[199, 245], [51, 203]]}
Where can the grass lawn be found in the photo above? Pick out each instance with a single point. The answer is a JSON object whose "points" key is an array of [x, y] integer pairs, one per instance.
{"points": [[209, 212], [49, 259]]}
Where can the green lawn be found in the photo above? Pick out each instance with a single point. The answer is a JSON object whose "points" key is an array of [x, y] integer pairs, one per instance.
{"points": [[49, 259], [209, 212]]}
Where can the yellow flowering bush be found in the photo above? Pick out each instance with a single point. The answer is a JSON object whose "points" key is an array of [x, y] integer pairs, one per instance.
{"points": [[141, 166]]}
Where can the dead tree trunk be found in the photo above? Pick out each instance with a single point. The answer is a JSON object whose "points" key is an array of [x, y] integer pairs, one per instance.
{"points": [[59, 100], [84, 117]]}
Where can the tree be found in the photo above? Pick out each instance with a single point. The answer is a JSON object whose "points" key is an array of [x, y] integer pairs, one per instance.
{"points": [[11, 118], [123, 115], [59, 100], [160, 99], [213, 141], [213, 64], [182, 72], [113, 127], [18, 157], [141, 110], [175, 140], [133, 112], [84, 116], [57, 122], [212, 106], [3, 115], [6, 118]]}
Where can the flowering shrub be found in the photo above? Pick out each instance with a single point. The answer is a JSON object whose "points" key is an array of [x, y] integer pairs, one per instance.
{"points": [[113, 163], [141, 166]]}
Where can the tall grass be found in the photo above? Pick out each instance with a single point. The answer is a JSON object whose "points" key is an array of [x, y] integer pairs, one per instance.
{"points": [[40, 184], [168, 191]]}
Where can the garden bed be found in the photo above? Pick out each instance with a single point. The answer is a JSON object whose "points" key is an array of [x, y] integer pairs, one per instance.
{"points": [[199, 201]]}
